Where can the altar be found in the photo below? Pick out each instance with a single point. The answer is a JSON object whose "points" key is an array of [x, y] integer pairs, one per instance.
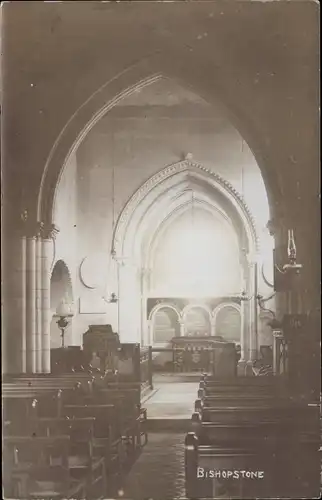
{"points": [[205, 353]]}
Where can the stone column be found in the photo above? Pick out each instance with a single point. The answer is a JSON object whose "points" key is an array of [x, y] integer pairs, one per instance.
{"points": [[145, 333], [243, 331], [23, 304], [252, 291], [48, 235], [212, 326], [31, 303], [277, 339], [38, 304], [129, 304], [182, 328]]}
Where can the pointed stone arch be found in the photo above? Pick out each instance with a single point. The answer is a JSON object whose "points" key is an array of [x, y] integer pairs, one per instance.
{"points": [[127, 226], [145, 72]]}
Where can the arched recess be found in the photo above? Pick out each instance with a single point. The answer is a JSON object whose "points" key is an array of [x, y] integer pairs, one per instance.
{"points": [[202, 314], [234, 324], [158, 65], [157, 241], [142, 217], [161, 191], [174, 316], [60, 289]]}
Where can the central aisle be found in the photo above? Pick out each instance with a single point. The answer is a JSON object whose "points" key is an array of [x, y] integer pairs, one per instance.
{"points": [[173, 397], [159, 472]]}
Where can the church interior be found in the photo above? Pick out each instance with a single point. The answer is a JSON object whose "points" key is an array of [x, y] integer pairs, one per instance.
{"points": [[160, 250]]}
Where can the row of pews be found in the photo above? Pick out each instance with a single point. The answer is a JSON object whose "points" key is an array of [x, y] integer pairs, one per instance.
{"points": [[249, 440], [70, 436]]}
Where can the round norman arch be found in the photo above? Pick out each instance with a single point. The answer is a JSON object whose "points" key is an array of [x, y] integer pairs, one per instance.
{"points": [[173, 327], [219, 309], [222, 306], [196, 305], [159, 65], [163, 305]]}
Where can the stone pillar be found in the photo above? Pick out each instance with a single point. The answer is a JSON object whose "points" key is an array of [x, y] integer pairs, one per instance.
{"points": [[145, 332], [277, 339], [243, 331], [23, 303], [31, 304], [182, 328], [252, 292], [38, 305], [150, 332], [129, 304], [213, 326], [46, 263]]}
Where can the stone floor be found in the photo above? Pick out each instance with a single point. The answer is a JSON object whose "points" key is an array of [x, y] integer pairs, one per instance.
{"points": [[159, 472], [173, 397]]}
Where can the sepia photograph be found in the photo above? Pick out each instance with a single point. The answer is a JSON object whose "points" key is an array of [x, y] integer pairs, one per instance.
{"points": [[160, 250]]}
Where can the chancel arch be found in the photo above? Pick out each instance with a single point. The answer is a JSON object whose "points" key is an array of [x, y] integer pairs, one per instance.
{"points": [[144, 216]]}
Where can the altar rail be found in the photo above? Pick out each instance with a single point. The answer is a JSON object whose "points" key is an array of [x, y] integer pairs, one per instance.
{"points": [[219, 360]]}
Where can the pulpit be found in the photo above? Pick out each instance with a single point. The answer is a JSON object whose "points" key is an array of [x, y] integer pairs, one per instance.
{"points": [[101, 342]]}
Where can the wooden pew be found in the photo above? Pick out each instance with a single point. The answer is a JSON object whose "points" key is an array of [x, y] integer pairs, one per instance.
{"points": [[200, 460], [243, 414], [289, 467], [232, 400], [107, 431], [241, 381], [30, 474], [81, 461], [125, 397], [82, 435]]}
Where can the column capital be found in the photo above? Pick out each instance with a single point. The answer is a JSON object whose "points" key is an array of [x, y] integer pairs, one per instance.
{"points": [[48, 231], [36, 229]]}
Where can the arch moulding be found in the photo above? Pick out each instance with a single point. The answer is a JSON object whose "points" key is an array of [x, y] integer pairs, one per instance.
{"points": [[164, 305], [225, 305], [196, 305], [119, 242]]}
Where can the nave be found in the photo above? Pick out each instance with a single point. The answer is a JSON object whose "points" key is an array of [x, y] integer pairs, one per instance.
{"points": [[160, 250], [94, 435]]}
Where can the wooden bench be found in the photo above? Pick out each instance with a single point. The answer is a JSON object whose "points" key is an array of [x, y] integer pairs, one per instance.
{"points": [[243, 380], [209, 470], [80, 430], [286, 468], [39, 468], [126, 420], [239, 400]]}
